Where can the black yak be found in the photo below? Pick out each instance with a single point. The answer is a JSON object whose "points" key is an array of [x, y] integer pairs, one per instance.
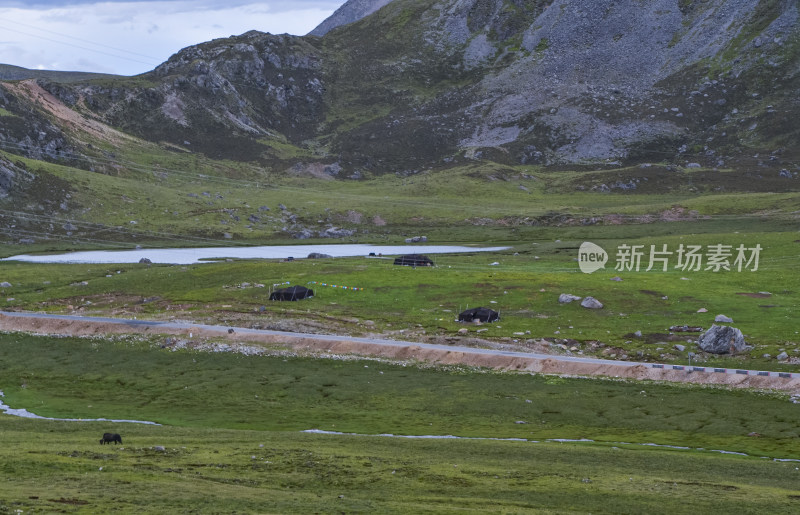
{"points": [[292, 293], [111, 437]]}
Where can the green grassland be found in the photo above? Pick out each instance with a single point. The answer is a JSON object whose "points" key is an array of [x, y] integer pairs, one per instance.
{"points": [[231, 433], [232, 437], [522, 282], [146, 194], [157, 197]]}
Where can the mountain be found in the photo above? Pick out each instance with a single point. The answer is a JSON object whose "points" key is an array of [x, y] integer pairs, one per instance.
{"points": [[350, 11], [10, 72], [423, 84]]}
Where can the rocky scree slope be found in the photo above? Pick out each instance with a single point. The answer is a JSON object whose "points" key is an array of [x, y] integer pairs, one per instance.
{"points": [[350, 11], [421, 84]]}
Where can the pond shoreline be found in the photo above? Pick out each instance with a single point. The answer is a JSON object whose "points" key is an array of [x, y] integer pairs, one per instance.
{"points": [[190, 256]]}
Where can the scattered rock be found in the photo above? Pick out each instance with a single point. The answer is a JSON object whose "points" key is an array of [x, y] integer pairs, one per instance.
{"points": [[680, 348], [145, 261], [616, 278], [638, 334], [5, 284], [591, 303], [304, 234], [566, 298], [721, 339], [685, 329], [702, 310], [336, 232], [782, 356], [417, 239], [318, 255], [724, 319]]}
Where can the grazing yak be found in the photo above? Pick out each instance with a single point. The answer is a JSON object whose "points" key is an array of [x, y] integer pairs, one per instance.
{"points": [[111, 437]]}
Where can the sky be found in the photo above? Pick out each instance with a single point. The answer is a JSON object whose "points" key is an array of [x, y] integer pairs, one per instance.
{"points": [[134, 36]]}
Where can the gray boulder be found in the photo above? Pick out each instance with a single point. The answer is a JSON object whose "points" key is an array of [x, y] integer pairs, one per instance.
{"points": [[724, 319], [566, 298], [5, 284], [722, 339], [336, 232], [319, 255], [591, 303]]}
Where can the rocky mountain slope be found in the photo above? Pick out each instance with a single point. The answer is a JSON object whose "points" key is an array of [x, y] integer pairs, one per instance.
{"points": [[350, 11], [423, 84]]}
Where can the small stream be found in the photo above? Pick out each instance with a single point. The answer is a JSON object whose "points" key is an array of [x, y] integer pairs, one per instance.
{"points": [[19, 412], [546, 440]]}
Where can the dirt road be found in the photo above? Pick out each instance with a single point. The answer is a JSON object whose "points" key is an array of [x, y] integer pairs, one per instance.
{"points": [[241, 339]]}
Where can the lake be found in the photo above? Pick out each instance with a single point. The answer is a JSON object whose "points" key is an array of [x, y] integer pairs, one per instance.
{"points": [[200, 255]]}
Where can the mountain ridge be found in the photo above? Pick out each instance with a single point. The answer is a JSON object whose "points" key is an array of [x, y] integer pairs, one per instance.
{"points": [[420, 84], [349, 12]]}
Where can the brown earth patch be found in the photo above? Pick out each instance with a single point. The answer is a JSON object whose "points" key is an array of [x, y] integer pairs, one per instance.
{"points": [[756, 295], [322, 346], [31, 90], [651, 292]]}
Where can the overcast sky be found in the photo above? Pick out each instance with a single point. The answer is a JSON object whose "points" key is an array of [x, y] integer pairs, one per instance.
{"points": [[135, 36]]}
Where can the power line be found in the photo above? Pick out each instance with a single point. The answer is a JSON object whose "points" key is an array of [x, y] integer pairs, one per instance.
{"points": [[150, 63], [80, 39]]}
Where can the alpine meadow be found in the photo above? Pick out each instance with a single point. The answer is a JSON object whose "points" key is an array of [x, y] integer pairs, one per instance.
{"points": [[619, 181]]}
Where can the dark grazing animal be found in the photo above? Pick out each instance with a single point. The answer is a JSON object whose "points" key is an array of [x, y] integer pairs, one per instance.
{"points": [[111, 437]]}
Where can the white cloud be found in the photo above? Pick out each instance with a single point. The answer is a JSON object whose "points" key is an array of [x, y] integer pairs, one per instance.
{"points": [[135, 36]]}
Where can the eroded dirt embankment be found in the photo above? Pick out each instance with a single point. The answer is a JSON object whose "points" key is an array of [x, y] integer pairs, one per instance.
{"points": [[200, 337]]}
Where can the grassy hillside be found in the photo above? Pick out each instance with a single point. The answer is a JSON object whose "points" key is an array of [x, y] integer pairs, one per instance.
{"points": [[145, 194], [10, 72], [232, 439]]}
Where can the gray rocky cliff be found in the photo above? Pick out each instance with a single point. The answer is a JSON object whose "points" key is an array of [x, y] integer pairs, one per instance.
{"points": [[349, 12], [419, 85]]}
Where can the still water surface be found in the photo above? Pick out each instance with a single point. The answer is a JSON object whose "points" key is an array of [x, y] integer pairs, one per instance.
{"points": [[199, 255]]}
